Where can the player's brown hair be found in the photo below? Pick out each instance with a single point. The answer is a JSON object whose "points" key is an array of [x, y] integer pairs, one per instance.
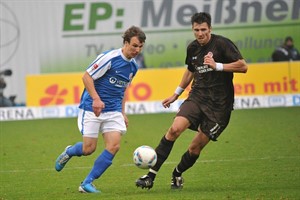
{"points": [[134, 31]]}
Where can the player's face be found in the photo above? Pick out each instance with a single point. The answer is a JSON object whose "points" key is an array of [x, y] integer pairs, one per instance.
{"points": [[132, 48], [202, 33]]}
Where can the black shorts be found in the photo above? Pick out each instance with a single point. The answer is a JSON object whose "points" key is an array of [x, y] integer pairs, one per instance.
{"points": [[211, 120]]}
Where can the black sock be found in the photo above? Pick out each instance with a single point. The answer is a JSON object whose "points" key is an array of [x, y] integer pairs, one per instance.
{"points": [[163, 151], [176, 172], [187, 161]]}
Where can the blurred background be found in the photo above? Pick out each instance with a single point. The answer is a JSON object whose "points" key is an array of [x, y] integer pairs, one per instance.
{"points": [[46, 45]]}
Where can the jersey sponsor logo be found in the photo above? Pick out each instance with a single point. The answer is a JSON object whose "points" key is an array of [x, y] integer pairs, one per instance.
{"points": [[203, 69], [112, 80], [118, 83]]}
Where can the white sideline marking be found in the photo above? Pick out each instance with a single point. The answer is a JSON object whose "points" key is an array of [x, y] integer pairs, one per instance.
{"points": [[228, 160], [166, 163]]}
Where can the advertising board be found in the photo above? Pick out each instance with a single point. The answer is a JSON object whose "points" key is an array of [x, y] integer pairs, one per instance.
{"points": [[42, 37]]}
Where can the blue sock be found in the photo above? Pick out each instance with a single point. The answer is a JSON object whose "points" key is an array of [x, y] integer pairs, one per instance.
{"points": [[100, 165], [75, 150]]}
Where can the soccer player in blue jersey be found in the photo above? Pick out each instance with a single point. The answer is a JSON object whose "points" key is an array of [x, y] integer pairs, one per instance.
{"points": [[101, 108]]}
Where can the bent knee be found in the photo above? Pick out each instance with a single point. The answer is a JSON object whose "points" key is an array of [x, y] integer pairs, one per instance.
{"points": [[179, 125], [88, 150], [173, 133]]}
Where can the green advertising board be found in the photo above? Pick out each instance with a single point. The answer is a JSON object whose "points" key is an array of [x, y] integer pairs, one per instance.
{"points": [[256, 27]]}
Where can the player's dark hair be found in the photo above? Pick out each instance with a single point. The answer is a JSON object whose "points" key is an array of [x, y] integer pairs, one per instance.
{"points": [[134, 31], [288, 38], [200, 18]]}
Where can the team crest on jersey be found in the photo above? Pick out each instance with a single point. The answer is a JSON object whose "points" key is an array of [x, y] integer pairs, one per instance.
{"points": [[210, 54]]}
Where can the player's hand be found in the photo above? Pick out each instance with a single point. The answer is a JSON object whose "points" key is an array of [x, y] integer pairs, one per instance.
{"points": [[209, 60], [167, 102], [98, 106]]}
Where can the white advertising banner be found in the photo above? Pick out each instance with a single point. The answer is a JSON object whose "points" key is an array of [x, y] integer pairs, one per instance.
{"points": [[243, 102]]}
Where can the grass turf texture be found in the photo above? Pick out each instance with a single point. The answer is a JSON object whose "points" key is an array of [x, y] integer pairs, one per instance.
{"points": [[256, 157]]}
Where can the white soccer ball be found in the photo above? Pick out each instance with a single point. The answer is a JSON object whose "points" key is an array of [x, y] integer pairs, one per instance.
{"points": [[144, 157]]}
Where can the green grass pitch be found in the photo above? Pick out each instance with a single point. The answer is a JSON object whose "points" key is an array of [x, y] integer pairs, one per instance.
{"points": [[256, 157]]}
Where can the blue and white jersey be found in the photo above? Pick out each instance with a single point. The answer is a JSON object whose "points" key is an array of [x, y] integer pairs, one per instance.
{"points": [[112, 73]]}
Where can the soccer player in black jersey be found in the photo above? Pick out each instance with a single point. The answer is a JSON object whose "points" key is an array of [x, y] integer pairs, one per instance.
{"points": [[211, 61]]}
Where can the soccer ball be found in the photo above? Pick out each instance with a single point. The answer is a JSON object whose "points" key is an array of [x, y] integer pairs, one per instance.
{"points": [[144, 157]]}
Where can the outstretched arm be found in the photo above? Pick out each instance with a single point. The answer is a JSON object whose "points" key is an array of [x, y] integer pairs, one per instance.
{"points": [[185, 81]]}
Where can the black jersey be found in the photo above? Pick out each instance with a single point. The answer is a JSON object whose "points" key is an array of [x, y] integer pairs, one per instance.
{"points": [[209, 87]]}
